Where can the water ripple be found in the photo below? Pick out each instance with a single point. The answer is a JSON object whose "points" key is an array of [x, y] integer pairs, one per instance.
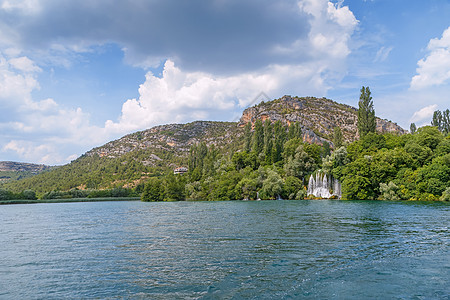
{"points": [[225, 250]]}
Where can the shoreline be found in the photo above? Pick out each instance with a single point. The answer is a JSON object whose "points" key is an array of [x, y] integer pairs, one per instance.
{"points": [[68, 200]]}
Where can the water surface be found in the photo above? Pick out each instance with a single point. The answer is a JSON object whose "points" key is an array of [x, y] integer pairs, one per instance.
{"points": [[226, 250]]}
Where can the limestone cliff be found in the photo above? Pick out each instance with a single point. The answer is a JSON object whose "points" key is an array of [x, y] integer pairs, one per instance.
{"points": [[317, 116]]}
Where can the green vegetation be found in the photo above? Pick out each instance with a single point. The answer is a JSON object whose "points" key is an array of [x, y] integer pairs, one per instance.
{"points": [[18, 201], [413, 128], [366, 113]]}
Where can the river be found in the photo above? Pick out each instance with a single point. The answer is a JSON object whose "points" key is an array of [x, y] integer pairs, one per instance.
{"points": [[226, 250]]}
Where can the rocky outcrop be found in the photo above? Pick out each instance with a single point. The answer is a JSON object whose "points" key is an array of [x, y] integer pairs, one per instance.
{"points": [[176, 138], [10, 166], [317, 117]]}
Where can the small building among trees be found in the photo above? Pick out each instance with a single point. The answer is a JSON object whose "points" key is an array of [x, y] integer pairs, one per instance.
{"points": [[180, 170]]}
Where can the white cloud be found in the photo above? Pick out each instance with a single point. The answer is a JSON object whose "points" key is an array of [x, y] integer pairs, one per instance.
{"points": [[24, 64], [187, 96], [39, 131], [434, 69], [15, 86], [423, 113], [382, 54], [181, 96], [307, 60]]}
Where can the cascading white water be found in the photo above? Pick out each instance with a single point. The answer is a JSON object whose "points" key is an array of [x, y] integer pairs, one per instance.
{"points": [[320, 186]]}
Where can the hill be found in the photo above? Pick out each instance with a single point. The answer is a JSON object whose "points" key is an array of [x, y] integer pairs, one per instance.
{"points": [[317, 116], [15, 170], [131, 160]]}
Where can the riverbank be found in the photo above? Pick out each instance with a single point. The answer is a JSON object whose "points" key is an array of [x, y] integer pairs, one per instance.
{"points": [[21, 201]]}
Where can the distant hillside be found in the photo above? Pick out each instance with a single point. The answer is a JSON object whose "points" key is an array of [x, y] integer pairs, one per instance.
{"points": [[14, 170], [132, 159]]}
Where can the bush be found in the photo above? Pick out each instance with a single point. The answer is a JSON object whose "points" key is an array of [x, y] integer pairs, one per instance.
{"points": [[445, 195], [389, 191]]}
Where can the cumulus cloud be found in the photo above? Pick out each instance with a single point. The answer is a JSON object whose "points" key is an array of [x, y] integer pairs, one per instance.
{"points": [[434, 69], [424, 113], [239, 36], [209, 72], [38, 130], [180, 95]]}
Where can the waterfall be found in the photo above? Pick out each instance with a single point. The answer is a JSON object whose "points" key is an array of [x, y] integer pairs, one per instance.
{"points": [[322, 185]]}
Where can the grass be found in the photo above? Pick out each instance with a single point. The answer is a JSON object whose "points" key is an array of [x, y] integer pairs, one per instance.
{"points": [[2, 202]]}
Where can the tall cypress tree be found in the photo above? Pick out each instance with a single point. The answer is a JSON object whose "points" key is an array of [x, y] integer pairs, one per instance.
{"points": [[279, 132], [446, 121], [437, 120], [295, 131], [337, 137], [412, 128], [248, 137], [366, 113], [258, 137], [268, 135]]}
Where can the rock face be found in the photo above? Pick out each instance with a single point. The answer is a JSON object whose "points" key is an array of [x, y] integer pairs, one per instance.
{"points": [[175, 138], [10, 166], [317, 117]]}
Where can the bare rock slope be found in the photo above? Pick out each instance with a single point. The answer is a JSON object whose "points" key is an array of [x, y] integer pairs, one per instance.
{"points": [[317, 116]]}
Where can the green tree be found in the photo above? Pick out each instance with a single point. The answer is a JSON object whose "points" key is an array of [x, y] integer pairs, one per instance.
{"points": [[279, 140], [326, 150], [295, 131], [248, 137], [268, 136], [272, 187], [446, 195], [437, 120], [292, 185], [389, 191], [446, 122], [174, 187], [258, 137], [429, 136], [338, 139], [412, 128], [301, 164], [153, 190], [366, 113], [355, 188]]}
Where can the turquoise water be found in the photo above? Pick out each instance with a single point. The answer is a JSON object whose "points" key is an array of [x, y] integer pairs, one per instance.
{"points": [[226, 250]]}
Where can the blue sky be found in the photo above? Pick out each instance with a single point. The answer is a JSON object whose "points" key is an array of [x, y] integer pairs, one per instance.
{"points": [[77, 74]]}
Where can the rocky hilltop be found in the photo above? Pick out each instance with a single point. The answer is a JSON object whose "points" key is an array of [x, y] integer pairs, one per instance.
{"points": [[10, 170], [317, 116], [176, 138], [10, 166]]}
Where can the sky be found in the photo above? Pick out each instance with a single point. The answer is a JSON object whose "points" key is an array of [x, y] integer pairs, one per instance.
{"points": [[77, 74]]}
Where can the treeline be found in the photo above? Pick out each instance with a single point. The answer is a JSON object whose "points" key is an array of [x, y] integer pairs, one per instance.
{"points": [[93, 193], [25, 195], [73, 194]]}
